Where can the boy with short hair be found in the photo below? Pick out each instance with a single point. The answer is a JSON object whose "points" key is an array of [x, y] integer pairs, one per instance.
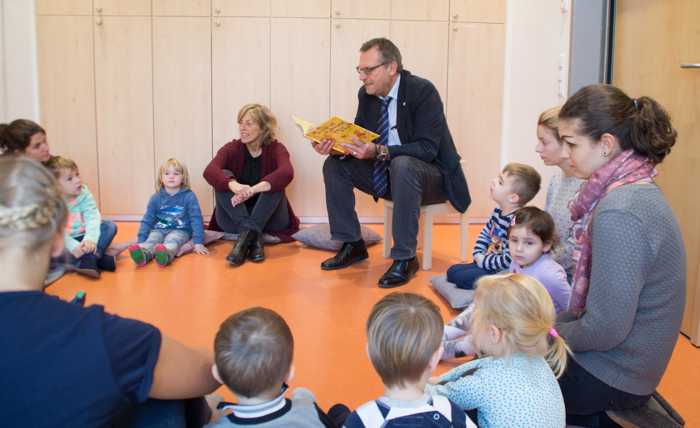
{"points": [[512, 189], [87, 236], [403, 342], [253, 358]]}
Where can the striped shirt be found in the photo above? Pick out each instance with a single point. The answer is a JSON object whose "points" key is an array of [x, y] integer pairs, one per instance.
{"points": [[492, 242]]}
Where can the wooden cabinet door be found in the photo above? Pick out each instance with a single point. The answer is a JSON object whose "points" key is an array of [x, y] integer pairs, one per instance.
{"points": [[123, 7], [300, 54], [492, 11], [474, 105], [347, 37], [240, 71], [300, 8], [372, 9], [67, 91], [642, 27], [182, 97], [64, 7], [245, 8], [181, 7], [123, 83], [424, 47], [423, 10]]}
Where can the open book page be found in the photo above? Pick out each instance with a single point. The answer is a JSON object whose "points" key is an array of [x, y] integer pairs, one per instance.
{"points": [[337, 130]]}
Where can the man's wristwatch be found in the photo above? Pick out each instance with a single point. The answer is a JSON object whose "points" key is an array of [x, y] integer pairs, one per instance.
{"points": [[382, 152]]}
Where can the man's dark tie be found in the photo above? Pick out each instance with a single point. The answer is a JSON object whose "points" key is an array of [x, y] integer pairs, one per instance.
{"points": [[380, 177]]}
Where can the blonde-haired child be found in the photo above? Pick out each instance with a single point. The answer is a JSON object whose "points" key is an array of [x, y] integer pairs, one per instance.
{"points": [[515, 383], [87, 235], [172, 218]]}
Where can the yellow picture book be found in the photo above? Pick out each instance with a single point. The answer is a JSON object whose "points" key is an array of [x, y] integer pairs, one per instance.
{"points": [[337, 130]]}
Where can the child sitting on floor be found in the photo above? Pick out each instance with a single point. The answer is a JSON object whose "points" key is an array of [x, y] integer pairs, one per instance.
{"points": [[530, 237], [253, 351], [514, 384], [513, 188], [403, 342], [172, 217], [87, 235]]}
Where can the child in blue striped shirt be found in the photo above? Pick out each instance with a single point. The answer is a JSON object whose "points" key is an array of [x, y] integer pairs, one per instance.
{"points": [[514, 187]]}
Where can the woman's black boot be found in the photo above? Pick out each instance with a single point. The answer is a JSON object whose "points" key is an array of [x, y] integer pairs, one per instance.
{"points": [[240, 250], [257, 250]]}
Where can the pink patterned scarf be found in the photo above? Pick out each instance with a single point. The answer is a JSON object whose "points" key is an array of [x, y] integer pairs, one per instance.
{"points": [[626, 168]]}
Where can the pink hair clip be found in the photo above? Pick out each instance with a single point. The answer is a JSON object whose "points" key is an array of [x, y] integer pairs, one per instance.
{"points": [[553, 332]]}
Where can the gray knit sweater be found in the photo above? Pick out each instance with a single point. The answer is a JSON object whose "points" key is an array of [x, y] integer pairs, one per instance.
{"points": [[560, 192], [636, 294]]}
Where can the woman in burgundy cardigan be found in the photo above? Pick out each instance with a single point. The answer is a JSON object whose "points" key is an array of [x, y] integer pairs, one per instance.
{"points": [[249, 176]]}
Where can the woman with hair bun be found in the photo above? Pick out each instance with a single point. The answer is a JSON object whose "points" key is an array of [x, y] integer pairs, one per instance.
{"points": [[629, 283]]}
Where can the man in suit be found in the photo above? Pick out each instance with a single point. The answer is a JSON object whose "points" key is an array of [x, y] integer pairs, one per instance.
{"points": [[414, 161]]}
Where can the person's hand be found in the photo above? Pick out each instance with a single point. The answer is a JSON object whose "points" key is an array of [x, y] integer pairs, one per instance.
{"points": [[78, 252], [359, 150], [237, 187], [479, 259], [88, 246], [324, 147], [239, 199], [200, 249], [434, 380]]}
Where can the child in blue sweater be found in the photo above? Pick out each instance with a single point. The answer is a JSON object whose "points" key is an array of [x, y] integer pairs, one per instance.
{"points": [[172, 218]]}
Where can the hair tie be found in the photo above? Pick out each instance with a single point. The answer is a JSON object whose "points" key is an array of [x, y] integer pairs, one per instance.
{"points": [[636, 103], [553, 332]]}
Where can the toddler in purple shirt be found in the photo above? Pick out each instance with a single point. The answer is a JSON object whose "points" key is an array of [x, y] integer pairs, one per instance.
{"points": [[530, 237]]}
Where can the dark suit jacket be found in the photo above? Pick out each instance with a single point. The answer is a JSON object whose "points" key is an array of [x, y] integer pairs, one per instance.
{"points": [[422, 128]]}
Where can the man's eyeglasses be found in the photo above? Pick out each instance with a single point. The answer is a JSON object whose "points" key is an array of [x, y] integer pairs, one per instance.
{"points": [[366, 71]]}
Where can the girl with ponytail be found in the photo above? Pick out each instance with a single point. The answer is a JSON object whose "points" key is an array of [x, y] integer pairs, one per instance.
{"points": [[629, 281], [514, 384]]}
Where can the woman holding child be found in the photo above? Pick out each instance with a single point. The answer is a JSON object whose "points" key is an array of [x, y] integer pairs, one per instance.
{"points": [[249, 176], [629, 284]]}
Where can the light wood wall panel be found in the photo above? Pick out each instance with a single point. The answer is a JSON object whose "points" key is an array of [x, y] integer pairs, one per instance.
{"points": [[424, 50], [475, 104], [240, 8], [123, 76], [493, 11], [362, 9], [181, 7], [429, 10], [300, 8], [66, 82], [240, 71], [123, 7], [63, 7], [182, 97], [300, 54]]}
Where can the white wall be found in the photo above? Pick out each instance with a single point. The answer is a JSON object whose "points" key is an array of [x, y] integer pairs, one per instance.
{"points": [[536, 76], [19, 90]]}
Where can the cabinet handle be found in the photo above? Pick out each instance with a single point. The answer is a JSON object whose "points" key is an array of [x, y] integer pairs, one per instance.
{"points": [[337, 13], [217, 23], [338, 26], [455, 29], [98, 10], [690, 65], [217, 11], [99, 22], [455, 16]]}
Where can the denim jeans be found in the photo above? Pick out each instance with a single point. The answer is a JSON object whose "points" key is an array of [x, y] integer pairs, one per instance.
{"points": [[464, 275], [108, 230]]}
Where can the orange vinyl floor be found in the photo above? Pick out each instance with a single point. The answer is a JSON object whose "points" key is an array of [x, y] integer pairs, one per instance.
{"points": [[326, 310]]}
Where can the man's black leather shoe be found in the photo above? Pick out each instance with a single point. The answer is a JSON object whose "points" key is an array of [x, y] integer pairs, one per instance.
{"points": [[257, 251], [240, 250], [348, 254], [399, 273]]}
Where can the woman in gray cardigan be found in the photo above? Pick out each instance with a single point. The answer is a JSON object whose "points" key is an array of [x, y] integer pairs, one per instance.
{"points": [[629, 283]]}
